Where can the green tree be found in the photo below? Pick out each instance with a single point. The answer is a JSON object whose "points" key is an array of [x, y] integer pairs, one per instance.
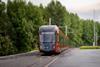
{"points": [[6, 44], [56, 12], [21, 29], [88, 32], [25, 20]]}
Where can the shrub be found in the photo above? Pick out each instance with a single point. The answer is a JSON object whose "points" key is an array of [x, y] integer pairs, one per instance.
{"points": [[6, 46], [90, 47]]}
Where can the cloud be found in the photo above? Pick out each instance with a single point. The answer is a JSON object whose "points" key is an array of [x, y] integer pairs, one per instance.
{"points": [[85, 9]]}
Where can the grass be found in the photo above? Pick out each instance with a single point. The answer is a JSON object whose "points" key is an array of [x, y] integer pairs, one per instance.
{"points": [[90, 47]]}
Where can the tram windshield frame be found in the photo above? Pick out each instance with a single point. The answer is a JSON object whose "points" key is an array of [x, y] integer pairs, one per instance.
{"points": [[47, 37]]}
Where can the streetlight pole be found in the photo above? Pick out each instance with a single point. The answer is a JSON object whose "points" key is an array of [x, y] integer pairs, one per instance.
{"points": [[96, 38], [95, 33], [94, 43], [49, 21], [66, 30]]}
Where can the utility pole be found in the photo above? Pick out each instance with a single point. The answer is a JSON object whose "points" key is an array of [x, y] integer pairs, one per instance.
{"points": [[94, 28], [55, 1], [95, 33], [66, 29], [49, 21], [96, 38]]}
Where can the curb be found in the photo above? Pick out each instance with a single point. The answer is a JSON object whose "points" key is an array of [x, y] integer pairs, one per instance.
{"points": [[18, 55]]}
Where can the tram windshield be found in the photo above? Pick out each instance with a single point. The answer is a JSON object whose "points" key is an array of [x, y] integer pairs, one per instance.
{"points": [[47, 37]]}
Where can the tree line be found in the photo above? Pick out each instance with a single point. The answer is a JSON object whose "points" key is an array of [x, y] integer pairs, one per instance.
{"points": [[20, 22]]}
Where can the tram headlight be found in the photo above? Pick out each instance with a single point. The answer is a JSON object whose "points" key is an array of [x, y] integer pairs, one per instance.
{"points": [[41, 47], [53, 47]]}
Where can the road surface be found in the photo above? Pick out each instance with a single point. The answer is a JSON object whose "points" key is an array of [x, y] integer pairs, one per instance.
{"points": [[69, 58]]}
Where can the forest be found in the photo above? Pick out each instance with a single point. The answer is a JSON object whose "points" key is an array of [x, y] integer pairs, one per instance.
{"points": [[20, 22]]}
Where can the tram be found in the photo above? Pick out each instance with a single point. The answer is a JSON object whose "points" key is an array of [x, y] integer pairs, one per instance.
{"points": [[52, 39]]}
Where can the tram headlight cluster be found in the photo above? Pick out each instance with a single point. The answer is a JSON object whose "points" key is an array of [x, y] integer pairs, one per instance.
{"points": [[53, 47], [41, 47]]}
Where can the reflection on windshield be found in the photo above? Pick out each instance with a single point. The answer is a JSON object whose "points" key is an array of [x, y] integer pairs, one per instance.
{"points": [[47, 37]]}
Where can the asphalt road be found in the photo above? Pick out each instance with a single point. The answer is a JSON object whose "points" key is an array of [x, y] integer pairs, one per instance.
{"points": [[78, 58], [69, 58], [35, 59]]}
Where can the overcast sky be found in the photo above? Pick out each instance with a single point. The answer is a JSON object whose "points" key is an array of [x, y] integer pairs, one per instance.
{"points": [[84, 8]]}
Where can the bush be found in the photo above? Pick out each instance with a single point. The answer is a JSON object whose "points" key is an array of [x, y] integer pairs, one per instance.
{"points": [[6, 46], [90, 47]]}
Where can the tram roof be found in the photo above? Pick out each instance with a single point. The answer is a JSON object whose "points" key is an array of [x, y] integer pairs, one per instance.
{"points": [[53, 27]]}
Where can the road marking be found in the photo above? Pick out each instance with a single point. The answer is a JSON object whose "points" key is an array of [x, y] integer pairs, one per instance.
{"points": [[51, 62], [47, 65]]}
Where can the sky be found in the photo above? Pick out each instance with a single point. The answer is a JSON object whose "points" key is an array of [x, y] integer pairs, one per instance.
{"points": [[86, 9]]}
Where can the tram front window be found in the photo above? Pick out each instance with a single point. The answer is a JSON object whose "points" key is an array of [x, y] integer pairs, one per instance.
{"points": [[47, 37]]}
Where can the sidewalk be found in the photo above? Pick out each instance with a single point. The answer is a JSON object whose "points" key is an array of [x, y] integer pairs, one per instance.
{"points": [[18, 55]]}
